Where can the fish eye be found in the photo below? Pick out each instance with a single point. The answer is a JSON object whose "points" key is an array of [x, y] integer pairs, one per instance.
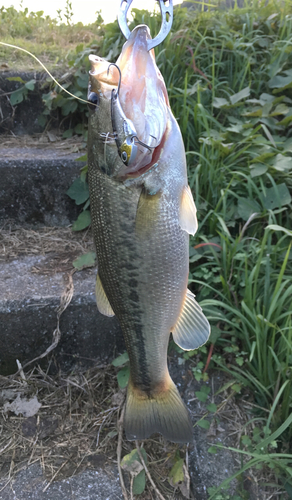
{"points": [[93, 99]]}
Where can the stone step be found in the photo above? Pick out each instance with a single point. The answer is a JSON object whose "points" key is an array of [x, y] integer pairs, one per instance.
{"points": [[34, 179], [30, 293], [31, 288]]}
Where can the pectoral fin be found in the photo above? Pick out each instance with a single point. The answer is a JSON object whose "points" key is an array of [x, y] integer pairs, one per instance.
{"points": [[102, 301], [192, 328], [188, 212]]}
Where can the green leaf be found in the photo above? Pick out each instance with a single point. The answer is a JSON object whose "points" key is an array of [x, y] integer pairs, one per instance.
{"points": [[235, 127], [239, 360], [219, 102], [121, 360], [132, 464], [204, 424], [82, 81], [83, 221], [275, 227], [132, 457], [69, 107], [144, 455], [213, 450], [257, 169], [112, 434], [86, 260], [212, 407], [139, 483], [42, 120], [78, 191], [15, 79], [17, 96], [215, 334], [123, 376], [240, 95], [268, 134], [67, 134], [177, 472], [246, 207], [79, 129], [202, 396], [30, 85], [282, 163], [236, 387], [82, 158], [280, 109], [246, 440], [196, 257], [83, 174], [287, 147], [281, 82], [127, 460], [276, 197]]}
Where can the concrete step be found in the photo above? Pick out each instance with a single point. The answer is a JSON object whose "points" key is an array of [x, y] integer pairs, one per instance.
{"points": [[30, 292], [34, 178]]}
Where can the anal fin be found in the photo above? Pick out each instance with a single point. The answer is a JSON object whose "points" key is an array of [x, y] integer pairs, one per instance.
{"points": [[192, 329], [102, 301]]}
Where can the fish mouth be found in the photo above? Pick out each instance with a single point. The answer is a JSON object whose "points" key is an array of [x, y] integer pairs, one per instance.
{"points": [[142, 94]]}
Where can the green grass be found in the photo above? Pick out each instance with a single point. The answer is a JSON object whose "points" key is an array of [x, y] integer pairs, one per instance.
{"points": [[229, 79], [48, 40]]}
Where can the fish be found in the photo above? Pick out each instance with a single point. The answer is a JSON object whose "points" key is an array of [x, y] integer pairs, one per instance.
{"points": [[142, 214]]}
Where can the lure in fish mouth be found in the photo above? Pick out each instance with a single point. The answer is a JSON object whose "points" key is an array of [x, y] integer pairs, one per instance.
{"points": [[139, 101], [124, 130], [142, 213]]}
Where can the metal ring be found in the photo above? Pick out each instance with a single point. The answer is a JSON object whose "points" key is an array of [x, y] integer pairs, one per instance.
{"points": [[165, 25]]}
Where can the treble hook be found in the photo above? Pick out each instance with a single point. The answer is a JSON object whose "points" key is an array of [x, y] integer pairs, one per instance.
{"points": [[165, 25], [143, 144], [120, 79]]}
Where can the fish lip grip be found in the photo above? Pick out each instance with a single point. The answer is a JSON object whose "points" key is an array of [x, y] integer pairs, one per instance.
{"points": [[165, 25]]}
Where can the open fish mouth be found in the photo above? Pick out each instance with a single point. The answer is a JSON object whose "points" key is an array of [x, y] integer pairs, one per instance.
{"points": [[140, 106]]}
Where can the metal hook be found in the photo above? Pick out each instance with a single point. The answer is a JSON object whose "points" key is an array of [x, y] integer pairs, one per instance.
{"points": [[165, 25], [120, 79], [143, 144]]}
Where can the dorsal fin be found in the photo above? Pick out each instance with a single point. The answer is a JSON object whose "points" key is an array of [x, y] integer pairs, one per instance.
{"points": [[188, 212], [192, 329], [102, 301]]}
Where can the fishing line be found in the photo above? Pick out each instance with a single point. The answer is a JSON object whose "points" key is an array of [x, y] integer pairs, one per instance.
{"points": [[47, 71]]}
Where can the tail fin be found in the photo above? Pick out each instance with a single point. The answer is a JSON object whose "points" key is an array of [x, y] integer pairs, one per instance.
{"points": [[162, 412]]}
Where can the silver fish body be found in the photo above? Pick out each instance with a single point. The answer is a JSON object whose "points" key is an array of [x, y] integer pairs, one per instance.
{"points": [[141, 222]]}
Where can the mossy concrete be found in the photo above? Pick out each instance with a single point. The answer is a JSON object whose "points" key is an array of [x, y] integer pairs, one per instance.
{"points": [[28, 317], [33, 191]]}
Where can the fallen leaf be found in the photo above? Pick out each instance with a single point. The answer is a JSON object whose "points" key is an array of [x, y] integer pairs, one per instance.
{"points": [[26, 407]]}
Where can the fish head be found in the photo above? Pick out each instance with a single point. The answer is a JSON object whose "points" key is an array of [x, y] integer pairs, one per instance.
{"points": [[102, 149], [134, 98]]}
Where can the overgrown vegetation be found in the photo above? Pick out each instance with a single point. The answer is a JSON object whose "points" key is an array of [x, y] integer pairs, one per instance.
{"points": [[229, 79]]}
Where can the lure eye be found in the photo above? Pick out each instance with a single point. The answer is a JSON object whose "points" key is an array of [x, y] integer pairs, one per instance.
{"points": [[128, 151], [124, 157], [93, 99]]}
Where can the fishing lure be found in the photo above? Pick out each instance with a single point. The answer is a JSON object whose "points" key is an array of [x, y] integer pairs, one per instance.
{"points": [[124, 130]]}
